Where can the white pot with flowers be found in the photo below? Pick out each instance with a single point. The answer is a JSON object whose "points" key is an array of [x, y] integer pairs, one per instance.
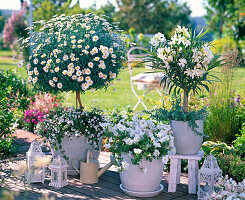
{"points": [[140, 148], [186, 61], [72, 132], [78, 53]]}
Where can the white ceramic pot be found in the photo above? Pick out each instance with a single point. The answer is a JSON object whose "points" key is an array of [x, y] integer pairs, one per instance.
{"points": [[136, 179], [186, 141], [76, 149]]}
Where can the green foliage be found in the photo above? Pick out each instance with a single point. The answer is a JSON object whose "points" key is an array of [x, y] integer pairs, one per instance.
{"points": [[75, 53], [152, 16], [225, 116], [239, 143], [232, 165], [13, 97], [6, 147], [176, 112], [216, 148]]}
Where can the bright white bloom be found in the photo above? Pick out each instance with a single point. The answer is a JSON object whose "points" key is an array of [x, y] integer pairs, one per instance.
{"points": [[125, 165], [95, 38], [165, 159], [182, 62], [59, 85], [137, 151]]}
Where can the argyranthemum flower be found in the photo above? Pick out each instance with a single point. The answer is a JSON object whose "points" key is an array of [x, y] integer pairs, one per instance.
{"points": [[95, 38], [65, 72], [80, 78], [65, 57], [35, 61], [55, 79], [100, 75], [97, 58], [57, 69], [59, 85], [29, 79], [90, 64], [57, 60]]}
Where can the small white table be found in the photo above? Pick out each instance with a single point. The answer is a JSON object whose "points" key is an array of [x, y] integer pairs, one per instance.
{"points": [[175, 171]]}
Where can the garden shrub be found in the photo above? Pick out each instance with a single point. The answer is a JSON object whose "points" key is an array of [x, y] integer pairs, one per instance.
{"points": [[232, 165], [239, 143], [6, 147]]}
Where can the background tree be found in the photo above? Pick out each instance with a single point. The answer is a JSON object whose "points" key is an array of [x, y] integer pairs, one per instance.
{"points": [[151, 16]]}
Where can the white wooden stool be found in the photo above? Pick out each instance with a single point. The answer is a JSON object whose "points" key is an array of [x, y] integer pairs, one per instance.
{"points": [[175, 171]]}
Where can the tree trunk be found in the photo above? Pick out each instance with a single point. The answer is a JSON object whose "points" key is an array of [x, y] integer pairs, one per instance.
{"points": [[78, 100], [185, 102]]}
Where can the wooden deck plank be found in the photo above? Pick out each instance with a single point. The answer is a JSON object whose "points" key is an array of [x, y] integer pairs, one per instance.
{"points": [[106, 188]]}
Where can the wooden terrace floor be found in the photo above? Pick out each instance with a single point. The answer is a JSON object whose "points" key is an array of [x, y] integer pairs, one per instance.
{"points": [[107, 188]]}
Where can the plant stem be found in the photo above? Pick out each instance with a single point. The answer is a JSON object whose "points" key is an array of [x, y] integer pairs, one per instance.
{"points": [[78, 99], [185, 102]]}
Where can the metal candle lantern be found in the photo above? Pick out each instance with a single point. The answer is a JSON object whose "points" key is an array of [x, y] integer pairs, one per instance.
{"points": [[58, 172], [209, 175], [34, 174]]}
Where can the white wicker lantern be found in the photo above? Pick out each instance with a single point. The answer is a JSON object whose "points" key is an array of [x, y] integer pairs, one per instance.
{"points": [[208, 175], [58, 172], [34, 174]]}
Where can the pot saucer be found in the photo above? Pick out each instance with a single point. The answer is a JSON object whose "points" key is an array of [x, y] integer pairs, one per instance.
{"points": [[142, 194]]}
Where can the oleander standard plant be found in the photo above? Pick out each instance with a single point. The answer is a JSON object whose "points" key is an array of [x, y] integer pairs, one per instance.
{"points": [[186, 61]]}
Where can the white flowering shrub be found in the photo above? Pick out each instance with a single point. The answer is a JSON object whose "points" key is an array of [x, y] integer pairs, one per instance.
{"points": [[69, 122], [143, 139], [228, 189], [74, 53], [186, 61]]}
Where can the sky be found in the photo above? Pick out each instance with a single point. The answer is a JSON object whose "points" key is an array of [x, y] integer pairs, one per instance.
{"points": [[195, 5]]}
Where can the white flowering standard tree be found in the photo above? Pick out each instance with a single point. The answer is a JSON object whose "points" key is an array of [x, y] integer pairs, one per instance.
{"points": [[74, 53], [186, 61], [140, 148]]}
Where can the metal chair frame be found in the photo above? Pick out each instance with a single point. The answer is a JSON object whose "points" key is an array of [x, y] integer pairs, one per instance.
{"points": [[138, 58]]}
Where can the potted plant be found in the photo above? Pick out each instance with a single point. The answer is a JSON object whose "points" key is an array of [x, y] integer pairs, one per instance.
{"points": [[186, 61], [76, 53], [71, 132], [140, 148]]}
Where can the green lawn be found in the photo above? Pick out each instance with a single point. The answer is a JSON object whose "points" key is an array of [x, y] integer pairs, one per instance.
{"points": [[123, 95]]}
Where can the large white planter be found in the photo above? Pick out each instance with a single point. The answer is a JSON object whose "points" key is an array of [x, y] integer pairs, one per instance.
{"points": [[186, 141], [142, 182], [76, 150]]}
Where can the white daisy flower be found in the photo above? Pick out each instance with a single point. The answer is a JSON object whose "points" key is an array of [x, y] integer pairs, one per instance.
{"points": [[59, 85]]}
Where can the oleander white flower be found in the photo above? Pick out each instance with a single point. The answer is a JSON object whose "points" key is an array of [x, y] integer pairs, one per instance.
{"points": [[182, 62]]}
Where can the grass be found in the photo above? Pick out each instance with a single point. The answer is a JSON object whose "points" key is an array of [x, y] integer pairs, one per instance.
{"points": [[123, 96]]}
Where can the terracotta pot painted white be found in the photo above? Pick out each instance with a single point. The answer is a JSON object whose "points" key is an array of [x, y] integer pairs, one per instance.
{"points": [[186, 141], [135, 179], [76, 149]]}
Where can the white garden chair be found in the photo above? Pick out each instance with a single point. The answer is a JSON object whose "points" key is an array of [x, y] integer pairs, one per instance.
{"points": [[148, 81]]}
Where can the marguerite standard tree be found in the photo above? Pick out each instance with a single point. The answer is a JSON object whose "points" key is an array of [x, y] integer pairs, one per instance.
{"points": [[74, 53]]}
